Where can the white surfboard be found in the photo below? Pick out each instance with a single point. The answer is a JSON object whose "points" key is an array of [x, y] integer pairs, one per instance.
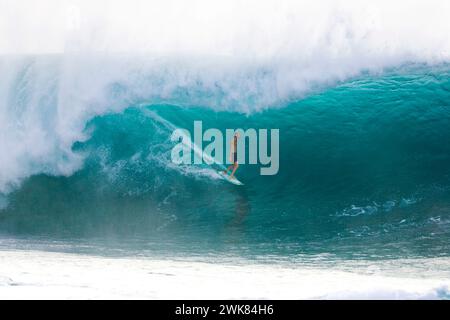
{"points": [[231, 180]]}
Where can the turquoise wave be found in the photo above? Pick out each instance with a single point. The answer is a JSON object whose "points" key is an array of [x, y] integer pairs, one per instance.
{"points": [[364, 171]]}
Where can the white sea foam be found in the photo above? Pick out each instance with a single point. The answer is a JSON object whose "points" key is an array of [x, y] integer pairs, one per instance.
{"points": [[46, 275], [86, 58]]}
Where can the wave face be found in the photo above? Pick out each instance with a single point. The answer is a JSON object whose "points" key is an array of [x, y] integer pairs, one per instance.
{"points": [[359, 91]]}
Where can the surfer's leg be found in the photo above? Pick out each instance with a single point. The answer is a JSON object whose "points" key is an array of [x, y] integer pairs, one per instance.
{"points": [[228, 169], [236, 165]]}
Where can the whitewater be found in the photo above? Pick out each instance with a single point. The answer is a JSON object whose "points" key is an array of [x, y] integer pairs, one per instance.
{"points": [[91, 92]]}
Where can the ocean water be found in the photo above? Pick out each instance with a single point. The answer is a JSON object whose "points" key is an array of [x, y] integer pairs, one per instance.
{"points": [[363, 114]]}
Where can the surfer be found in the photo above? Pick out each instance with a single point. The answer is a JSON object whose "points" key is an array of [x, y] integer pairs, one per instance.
{"points": [[233, 156]]}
